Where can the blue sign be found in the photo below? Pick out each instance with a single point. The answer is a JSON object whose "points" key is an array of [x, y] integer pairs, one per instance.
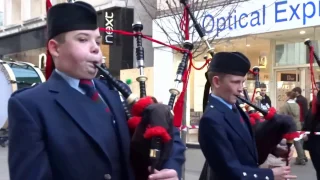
{"points": [[283, 12]]}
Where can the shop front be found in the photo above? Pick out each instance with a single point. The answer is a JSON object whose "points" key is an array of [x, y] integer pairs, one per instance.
{"points": [[30, 45], [270, 34]]}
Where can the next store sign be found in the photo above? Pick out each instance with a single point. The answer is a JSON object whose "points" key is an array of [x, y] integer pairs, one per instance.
{"points": [[258, 16]]}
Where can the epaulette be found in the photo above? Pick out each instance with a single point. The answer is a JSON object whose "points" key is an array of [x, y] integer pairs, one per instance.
{"points": [[209, 107], [23, 89]]}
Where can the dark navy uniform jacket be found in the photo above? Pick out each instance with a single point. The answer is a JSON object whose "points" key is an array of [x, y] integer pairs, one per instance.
{"points": [[58, 133], [228, 144]]}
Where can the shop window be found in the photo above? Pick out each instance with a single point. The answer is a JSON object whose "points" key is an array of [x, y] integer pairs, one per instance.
{"points": [[293, 53], [290, 54]]}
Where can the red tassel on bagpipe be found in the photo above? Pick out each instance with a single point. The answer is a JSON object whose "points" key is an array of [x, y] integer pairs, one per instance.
{"points": [[312, 56], [49, 63], [313, 83], [48, 5], [178, 108]]}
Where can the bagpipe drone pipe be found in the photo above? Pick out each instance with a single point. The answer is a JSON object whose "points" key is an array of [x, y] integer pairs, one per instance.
{"points": [[150, 123]]}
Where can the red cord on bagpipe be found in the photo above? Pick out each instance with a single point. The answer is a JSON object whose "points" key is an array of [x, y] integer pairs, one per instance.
{"points": [[313, 82], [184, 26], [49, 63]]}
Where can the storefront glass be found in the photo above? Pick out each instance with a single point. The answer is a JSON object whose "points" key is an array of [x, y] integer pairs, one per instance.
{"points": [[283, 59], [286, 80], [290, 53], [292, 68]]}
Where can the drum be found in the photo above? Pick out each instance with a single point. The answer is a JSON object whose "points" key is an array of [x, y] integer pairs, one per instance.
{"points": [[14, 76]]}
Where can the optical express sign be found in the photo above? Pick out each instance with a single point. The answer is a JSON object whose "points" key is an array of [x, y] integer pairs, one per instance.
{"points": [[259, 16]]}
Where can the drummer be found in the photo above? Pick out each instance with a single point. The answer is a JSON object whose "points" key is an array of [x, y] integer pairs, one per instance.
{"points": [[56, 130]]}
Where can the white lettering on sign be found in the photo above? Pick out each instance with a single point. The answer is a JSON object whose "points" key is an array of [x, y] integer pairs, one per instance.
{"points": [[290, 78], [108, 39]]}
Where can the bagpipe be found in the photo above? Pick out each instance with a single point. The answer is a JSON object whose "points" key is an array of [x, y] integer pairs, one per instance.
{"points": [[150, 123], [269, 127]]}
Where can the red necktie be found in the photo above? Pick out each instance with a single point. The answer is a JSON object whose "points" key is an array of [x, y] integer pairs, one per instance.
{"points": [[235, 110], [91, 92]]}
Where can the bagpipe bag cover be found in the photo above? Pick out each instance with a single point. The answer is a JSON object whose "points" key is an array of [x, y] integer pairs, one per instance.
{"points": [[155, 115], [268, 134]]}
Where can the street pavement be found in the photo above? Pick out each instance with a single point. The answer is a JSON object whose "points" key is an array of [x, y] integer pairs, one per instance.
{"points": [[195, 162], [194, 165]]}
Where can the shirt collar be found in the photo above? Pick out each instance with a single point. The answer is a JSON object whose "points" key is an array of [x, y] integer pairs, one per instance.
{"points": [[73, 82], [291, 101], [221, 100]]}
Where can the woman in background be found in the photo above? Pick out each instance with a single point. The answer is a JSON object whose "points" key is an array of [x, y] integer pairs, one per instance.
{"points": [[292, 109]]}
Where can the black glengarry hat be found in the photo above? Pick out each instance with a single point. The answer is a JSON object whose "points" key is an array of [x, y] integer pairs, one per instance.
{"points": [[65, 17], [234, 63]]}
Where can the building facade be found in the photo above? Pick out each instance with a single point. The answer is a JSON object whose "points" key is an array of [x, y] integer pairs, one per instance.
{"points": [[270, 33], [23, 33]]}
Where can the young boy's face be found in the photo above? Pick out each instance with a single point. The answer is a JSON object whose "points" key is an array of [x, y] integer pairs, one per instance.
{"points": [[228, 87], [78, 53]]}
